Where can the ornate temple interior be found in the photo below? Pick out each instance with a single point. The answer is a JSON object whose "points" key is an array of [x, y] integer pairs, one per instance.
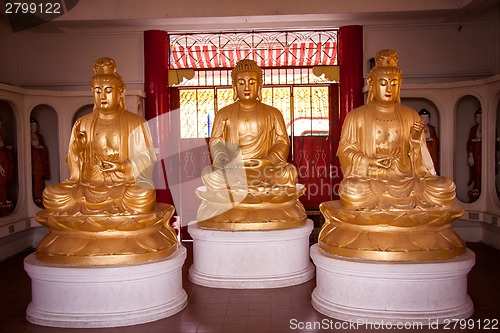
{"points": [[176, 59]]}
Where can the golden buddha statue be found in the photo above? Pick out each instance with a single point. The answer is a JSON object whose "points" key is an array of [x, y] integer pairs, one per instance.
{"points": [[106, 212], [392, 204], [250, 185]]}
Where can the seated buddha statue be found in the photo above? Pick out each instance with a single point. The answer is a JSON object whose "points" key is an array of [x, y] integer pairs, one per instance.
{"points": [[249, 146], [110, 156], [390, 192], [383, 152], [106, 211]]}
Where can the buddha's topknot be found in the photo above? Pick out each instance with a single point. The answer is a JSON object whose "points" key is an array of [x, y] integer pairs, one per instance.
{"points": [[247, 65], [105, 69]]}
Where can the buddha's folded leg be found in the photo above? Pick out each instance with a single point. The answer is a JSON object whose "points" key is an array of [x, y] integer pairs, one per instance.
{"points": [[213, 179], [218, 179], [440, 190], [59, 197], [357, 193], [138, 199], [286, 175]]}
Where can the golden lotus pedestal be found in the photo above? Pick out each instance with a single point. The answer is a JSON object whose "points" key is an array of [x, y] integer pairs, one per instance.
{"points": [[395, 235], [107, 239], [95, 271], [254, 210], [391, 267], [251, 239]]}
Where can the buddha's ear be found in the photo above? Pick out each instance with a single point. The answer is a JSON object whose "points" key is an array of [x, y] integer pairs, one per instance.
{"points": [[399, 88], [235, 94], [259, 91], [369, 97]]}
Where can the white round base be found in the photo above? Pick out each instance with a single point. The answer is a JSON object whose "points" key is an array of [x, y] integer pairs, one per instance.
{"points": [[110, 296], [365, 291], [251, 259]]}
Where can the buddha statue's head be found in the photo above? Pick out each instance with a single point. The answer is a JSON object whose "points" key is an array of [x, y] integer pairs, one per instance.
{"points": [[247, 79], [384, 80], [33, 125], [425, 116], [108, 86]]}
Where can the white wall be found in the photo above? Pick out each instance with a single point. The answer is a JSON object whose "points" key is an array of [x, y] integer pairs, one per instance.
{"points": [[8, 62], [65, 61], [439, 52], [427, 53]]}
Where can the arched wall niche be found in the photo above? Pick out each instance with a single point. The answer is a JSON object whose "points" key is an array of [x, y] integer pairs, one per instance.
{"points": [[497, 148], [9, 182], [419, 104], [466, 178], [48, 136], [86, 109]]}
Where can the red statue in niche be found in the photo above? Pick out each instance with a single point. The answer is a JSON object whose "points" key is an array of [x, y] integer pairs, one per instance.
{"points": [[6, 176], [431, 138], [474, 146], [40, 167]]}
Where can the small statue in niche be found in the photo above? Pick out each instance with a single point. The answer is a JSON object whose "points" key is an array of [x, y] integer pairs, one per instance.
{"points": [[40, 166], [431, 138], [474, 147], [6, 176]]}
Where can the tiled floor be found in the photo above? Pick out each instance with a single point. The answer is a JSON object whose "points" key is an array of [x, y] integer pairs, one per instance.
{"points": [[239, 311]]}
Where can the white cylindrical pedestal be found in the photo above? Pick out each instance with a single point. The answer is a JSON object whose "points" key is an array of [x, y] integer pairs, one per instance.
{"points": [[106, 296], [379, 292], [251, 259]]}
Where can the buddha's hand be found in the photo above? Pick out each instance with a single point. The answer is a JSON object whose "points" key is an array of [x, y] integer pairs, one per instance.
{"points": [[382, 162], [257, 163], [80, 138], [108, 166], [416, 130]]}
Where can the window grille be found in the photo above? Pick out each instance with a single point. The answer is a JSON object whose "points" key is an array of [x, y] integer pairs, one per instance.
{"points": [[268, 49], [309, 104]]}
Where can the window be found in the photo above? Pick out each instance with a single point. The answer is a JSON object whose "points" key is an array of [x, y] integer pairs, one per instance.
{"points": [[310, 111], [290, 85], [309, 104]]}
